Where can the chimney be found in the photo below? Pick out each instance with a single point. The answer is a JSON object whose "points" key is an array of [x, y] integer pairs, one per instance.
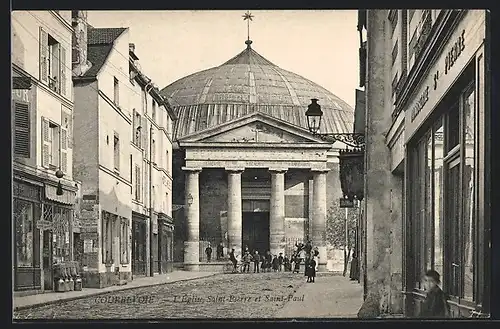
{"points": [[131, 47], [80, 64]]}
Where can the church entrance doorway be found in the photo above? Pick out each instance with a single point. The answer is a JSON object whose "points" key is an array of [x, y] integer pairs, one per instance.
{"points": [[256, 231]]}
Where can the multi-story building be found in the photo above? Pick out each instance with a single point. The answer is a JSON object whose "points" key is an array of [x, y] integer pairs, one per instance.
{"points": [[102, 129], [151, 168], [123, 148], [427, 158], [42, 121]]}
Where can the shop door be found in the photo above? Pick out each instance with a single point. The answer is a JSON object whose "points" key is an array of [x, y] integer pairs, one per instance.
{"points": [[138, 247], [47, 260]]}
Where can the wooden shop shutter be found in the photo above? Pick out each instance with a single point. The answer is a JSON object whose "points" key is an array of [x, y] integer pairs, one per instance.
{"points": [[46, 141], [64, 150], [22, 129], [62, 66], [44, 53], [137, 183]]}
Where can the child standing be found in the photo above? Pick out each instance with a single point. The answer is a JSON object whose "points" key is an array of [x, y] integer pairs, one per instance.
{"points": [[435, 304]]}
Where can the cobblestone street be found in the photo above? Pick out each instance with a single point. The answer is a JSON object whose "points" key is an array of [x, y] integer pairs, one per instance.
{"points": [[223, 296]]}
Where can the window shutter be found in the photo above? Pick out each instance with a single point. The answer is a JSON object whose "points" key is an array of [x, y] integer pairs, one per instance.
{"points": [[22, 129], [64, 149], [44, 53], [153, 151], [134, 124], [137, 183], [145, 136], [62, 66], [45, 142]]}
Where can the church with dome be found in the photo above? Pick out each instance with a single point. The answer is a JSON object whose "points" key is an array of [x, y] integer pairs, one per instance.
{"points": [[247, 172]]}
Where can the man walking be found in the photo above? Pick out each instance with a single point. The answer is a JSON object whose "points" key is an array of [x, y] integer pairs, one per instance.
{"points": [[280, 262], [232, 258], [220, 251]]}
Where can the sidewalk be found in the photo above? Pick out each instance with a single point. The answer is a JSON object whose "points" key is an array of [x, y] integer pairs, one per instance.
{"points": [[331, 296], [54, 297]]}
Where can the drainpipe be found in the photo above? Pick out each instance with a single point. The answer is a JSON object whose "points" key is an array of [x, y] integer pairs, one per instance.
{"points": [[151, 261]]}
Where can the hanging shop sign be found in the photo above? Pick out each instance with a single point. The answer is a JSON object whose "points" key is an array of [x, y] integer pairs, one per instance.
{"points": [[44, 225], [463, 43], [352, 174]]}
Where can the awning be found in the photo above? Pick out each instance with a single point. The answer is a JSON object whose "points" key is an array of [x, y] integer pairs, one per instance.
{"points": [[68, 197]]}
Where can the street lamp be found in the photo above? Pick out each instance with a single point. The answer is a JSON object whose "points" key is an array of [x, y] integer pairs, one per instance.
{"points": [[314, 115]]}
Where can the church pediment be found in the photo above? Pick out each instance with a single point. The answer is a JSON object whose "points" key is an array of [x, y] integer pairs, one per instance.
{"points": [[254, 128]]}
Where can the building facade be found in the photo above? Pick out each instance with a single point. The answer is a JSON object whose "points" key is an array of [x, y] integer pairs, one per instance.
{"points": [[247, 172], [102, 153], [151, 167], [427, 158], [123, 153], [42, 120]]}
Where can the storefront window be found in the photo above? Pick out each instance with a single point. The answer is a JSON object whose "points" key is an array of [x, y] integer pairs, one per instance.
{"points": [[468, 197], [452, 128], [61, 234], [23, 215], [438, 197], [428, 223]]}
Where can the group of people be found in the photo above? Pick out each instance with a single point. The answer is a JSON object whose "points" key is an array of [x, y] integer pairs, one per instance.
{"points": [[304, 253]]}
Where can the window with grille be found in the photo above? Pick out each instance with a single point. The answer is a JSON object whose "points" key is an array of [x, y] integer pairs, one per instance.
{"points": [[22, 129]]}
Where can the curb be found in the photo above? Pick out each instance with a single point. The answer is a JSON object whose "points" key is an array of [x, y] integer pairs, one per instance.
{"points": [[98, 293]]}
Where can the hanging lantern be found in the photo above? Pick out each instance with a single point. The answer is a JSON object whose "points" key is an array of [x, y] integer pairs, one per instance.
{"points": [[314, 115], [59, 174], [352, 173]]}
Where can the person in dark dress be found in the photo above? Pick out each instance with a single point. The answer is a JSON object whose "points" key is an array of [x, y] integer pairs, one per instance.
{"points": [[220, 251], [435, 304], [269, 260], [296, 263], [286, 261], [311, 270], [354, 273], [208, 251], [275, 264], [280, 262], [256, 261]]}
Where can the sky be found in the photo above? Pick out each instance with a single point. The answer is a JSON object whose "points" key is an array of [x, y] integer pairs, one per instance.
{"points": [[320, 45]]}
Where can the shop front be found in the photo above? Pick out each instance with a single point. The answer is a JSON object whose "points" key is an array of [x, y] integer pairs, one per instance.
{"points": [[447, 191], [27, 208], [43, 233]]}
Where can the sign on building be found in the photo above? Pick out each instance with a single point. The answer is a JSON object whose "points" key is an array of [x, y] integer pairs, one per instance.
{"points": [[346, 203]]}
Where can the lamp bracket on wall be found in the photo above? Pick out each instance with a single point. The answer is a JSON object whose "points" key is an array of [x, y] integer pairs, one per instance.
{"points": [[356, 140]]}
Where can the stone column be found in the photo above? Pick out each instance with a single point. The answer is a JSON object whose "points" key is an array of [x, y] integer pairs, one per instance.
{"points": [[277, 212], [234, 209], [192, 202], [318, 230]]}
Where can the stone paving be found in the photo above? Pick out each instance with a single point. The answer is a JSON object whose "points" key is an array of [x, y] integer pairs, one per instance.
{"points": [[264, 295], [158, 279]]}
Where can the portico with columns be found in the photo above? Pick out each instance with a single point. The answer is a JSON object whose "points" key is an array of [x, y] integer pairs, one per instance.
{"points": [[264, 167]]}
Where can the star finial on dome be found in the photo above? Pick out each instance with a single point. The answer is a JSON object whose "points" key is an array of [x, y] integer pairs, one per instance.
{"points": [[248, 17]]}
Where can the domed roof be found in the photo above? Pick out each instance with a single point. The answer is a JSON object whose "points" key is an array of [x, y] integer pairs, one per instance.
{"points": [[249, 83]]}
